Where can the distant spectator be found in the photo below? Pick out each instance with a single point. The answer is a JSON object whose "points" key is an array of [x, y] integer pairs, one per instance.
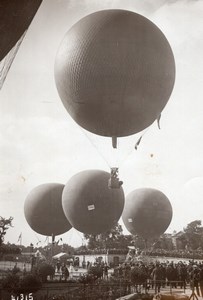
{"points": [[84, 264], [24, 269], [66, 273], [194, 279], [157, 277], [58, 265], [201, 279], [105, 271], [15, 269]]}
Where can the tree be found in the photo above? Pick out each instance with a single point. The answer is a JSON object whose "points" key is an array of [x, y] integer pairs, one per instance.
{"points": [[183, 243], [193, 234], [163, 243], [5, 224], [9, 251], [139, 242], [111, 239]]}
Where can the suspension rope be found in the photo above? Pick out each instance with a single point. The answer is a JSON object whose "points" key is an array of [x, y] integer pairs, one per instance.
{"points": [[131, 150], [6, 63], [127, 155], [38, 240], [99, 153]]}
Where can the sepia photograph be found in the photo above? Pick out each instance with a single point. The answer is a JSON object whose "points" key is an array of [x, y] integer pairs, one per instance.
{"points": [[101, 149]]}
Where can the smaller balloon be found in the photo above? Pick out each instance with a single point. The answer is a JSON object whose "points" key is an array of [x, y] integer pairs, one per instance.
{"points": [[89, 204], [147, 213], [43, 210]]}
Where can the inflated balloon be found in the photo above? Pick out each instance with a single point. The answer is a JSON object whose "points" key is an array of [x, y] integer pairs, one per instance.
{"points": [[43, 210], [147, 213], [15, 18], [114, 72], [89, 204]]}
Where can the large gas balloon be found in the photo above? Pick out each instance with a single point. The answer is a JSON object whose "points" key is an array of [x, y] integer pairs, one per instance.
{"points": [[89, 204], [43, 210], [114, 72], [15, 18], [147, 213]]}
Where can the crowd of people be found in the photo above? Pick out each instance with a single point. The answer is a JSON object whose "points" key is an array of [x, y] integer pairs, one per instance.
{"points": [[141, 274], [154, 274], [148, 275], [158, 275], [195, 254], [181, 253]]}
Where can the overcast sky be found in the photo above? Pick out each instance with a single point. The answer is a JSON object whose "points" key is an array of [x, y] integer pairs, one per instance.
{"points": [[40, 142]]}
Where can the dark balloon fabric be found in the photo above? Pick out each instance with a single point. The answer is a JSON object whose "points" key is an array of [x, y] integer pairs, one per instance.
{"points": [[43, 210], [147, 213], [15, 18], [89, 205], [114, 72]]}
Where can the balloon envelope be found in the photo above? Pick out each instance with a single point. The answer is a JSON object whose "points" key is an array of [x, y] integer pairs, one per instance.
{"points": [[15, 18], [114, 72], [43, 210], [147, 213], [90, 206]]}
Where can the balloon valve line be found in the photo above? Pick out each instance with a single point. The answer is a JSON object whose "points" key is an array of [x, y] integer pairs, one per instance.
{"points": [[114, 142]]}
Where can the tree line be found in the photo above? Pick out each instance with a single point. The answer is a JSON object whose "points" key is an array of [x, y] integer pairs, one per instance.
{"points": [[190, 238]]}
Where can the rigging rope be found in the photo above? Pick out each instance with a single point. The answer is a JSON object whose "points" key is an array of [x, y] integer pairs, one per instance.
{"points": [[134, 148], [127, 155], [100, 154], [6, 63]]}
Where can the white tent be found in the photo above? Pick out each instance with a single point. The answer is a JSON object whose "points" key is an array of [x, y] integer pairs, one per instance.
{"points": [[59, 255]]}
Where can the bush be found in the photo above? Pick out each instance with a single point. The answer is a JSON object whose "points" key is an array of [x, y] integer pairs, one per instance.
{"points": [[8, 257], [30, 283], [96, 271], [87, 279], [16, 270], [11, 283], [45, 270], [16, 285]]}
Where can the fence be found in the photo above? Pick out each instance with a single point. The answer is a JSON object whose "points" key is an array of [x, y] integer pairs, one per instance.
{"points": [[76, 291], [100, 290]]}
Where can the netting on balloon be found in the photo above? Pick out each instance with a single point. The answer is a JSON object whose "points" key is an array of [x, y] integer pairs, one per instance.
{"points": [[6, 62]]}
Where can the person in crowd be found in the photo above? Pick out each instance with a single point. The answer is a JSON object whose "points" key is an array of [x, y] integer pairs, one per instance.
{"points": [[194, 279], [66, 273], [182, 274], [157, 277], [58, 266], [24, 269], [71, 270], [105, 271], [84, 264], [63, 271], [201, 279], [172, 275]]}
